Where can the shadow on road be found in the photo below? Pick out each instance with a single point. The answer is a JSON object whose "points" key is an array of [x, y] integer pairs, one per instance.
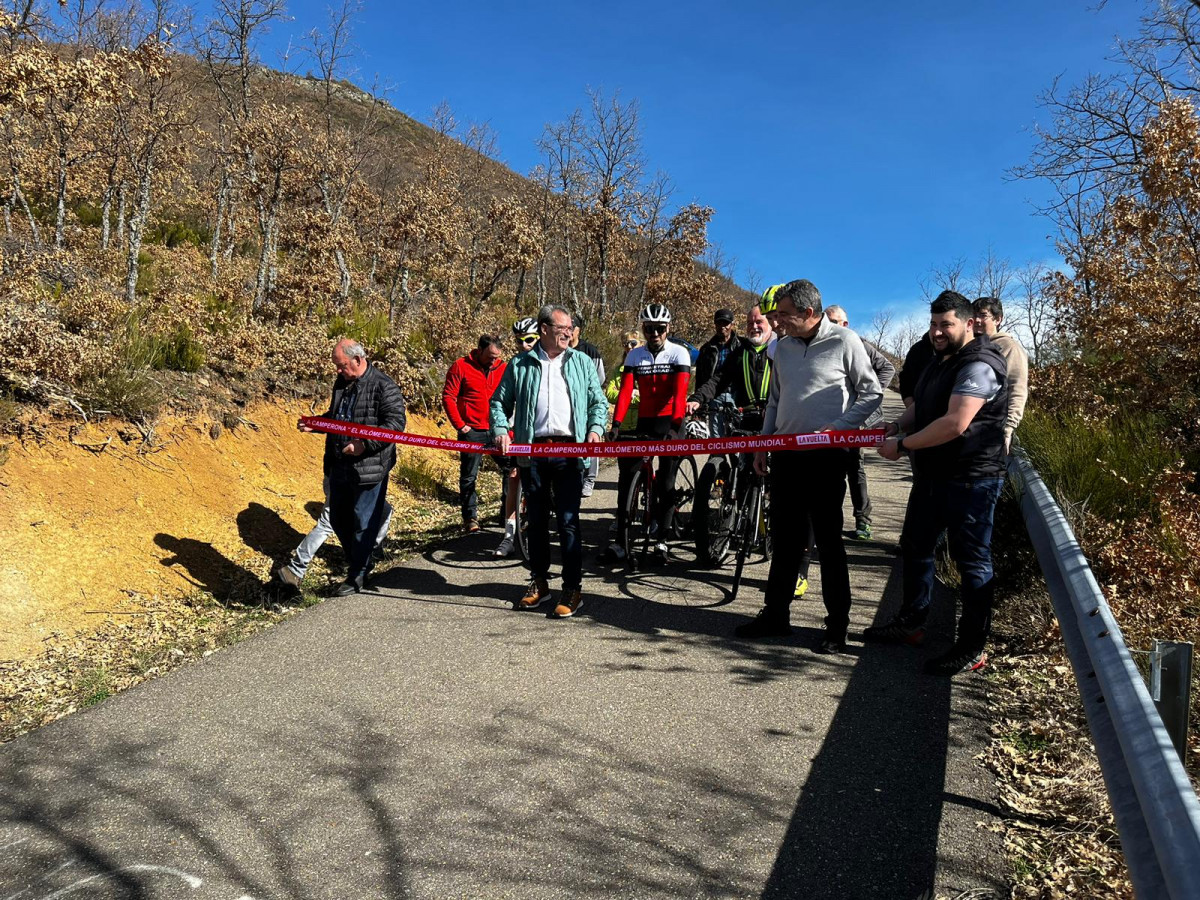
{"points": [[866, 824]]}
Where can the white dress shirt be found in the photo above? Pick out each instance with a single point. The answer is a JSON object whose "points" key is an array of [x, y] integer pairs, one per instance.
{"points": [[552, 415]]}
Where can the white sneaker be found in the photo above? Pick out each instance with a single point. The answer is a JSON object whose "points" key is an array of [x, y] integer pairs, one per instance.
{"points": [[589, 485], [506, 546]]}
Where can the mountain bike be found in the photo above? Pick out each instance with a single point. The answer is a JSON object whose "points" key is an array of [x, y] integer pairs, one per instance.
{"points": [[638, 504], [732, 512]]}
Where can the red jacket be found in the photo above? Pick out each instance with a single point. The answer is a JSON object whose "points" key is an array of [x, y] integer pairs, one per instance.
{"points": [[468, 391]]}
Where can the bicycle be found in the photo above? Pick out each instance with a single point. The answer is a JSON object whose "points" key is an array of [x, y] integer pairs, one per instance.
{"points": [[735, 502], [639, 499], [522, 522]]}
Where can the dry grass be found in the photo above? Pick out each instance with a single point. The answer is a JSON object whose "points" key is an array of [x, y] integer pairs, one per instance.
{"points": [[1059, 831]]}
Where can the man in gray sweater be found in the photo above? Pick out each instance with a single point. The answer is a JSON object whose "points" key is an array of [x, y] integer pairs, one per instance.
{"points": [[823, 381]]}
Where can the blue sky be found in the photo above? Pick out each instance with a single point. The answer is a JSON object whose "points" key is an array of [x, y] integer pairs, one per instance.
{"points": [[852, 144]]}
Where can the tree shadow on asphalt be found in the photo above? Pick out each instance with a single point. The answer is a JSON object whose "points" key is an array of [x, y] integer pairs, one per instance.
{"points": [[60, 841]]}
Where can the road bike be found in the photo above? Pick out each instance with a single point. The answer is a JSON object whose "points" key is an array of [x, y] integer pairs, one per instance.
{"points": [[732, 516], [638, 505]]}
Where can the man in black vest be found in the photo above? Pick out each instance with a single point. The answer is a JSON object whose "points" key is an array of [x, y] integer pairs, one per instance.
{"points": [[955, 433]]}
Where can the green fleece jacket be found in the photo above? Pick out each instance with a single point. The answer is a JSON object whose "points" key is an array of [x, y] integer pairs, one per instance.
{"points": [[516, 397]]}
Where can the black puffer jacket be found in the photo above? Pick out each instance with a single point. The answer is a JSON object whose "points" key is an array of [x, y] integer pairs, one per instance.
{"points": [[378, 403]]}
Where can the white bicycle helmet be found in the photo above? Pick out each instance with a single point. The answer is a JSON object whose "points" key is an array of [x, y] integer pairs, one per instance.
{"points": [[522, 327], [655, 312], [697, 429]]}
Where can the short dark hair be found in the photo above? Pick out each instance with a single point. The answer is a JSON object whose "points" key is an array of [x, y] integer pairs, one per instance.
{"points": [[991, 305], [487, 340], [803, 294], [952, 301], [578, 320]]}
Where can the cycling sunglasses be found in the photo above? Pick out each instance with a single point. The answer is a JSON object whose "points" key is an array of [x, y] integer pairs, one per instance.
{"points": [[651, 328]]}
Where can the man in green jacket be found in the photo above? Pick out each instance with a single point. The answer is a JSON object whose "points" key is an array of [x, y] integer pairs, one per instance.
{"points": [[553, 395]]}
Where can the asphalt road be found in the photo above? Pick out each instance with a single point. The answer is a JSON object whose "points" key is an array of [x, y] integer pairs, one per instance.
{"points": [[424, 740]]}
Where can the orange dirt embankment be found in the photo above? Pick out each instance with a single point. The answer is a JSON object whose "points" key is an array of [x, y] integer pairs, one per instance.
{"points": [[85, 532]]}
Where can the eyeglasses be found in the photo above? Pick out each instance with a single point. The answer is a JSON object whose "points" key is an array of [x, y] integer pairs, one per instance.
{"points": [[629, 345], [562, 329], [654, 329], [529, 339]]}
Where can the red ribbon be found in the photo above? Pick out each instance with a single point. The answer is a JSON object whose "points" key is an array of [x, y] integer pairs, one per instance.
{"points": [[870, 437]]}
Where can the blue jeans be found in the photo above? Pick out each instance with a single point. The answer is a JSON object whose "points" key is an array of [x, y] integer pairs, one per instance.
{"points": [[562, 478], [356, 514], [964, 510]]}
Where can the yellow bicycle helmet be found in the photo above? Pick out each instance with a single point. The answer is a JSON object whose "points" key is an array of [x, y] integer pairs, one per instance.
{"points": [[768, 304]]}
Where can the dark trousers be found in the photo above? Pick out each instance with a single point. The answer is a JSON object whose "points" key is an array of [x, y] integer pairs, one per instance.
{"points": [[356, 514], [856, 474], [558, 481], [468, 472], [964, 510], [808, 486], [662, 509]]}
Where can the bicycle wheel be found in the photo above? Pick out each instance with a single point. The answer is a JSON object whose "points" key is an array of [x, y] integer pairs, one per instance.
{"points": [[522, 522], [713, 512], [684, 497], [747, 536], [637, 517]]}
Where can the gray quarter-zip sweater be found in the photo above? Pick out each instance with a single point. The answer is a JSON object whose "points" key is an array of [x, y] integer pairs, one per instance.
{"points": [[826, 383]]}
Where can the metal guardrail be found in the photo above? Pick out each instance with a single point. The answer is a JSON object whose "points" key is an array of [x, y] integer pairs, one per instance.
{"points": [[1156, 810]]}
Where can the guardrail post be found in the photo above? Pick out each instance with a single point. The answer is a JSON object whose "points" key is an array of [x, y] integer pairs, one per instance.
{"points": [[1170, 689]]}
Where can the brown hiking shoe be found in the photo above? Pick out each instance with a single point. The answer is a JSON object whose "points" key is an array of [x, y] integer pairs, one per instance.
{"points": [[537, 593], [470, 526], [570, 604]]}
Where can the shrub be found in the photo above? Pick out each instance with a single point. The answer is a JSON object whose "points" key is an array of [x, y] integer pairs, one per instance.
{"points": [[179, 352], [1111, 465], [369, 327], [146, 279], [176, 234], [126, 387]]}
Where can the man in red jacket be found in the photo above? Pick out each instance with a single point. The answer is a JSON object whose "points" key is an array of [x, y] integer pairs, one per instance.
{"points": [[466, 398]]}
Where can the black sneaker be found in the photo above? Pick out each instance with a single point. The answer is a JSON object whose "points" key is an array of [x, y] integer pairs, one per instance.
{"points": [[766, 624], [896, 631], [831, 644], [955, 660], [614, 553], [346, 588]]}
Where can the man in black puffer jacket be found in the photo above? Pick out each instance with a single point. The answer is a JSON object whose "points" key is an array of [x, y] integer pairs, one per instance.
{"points": [[358, 469]]}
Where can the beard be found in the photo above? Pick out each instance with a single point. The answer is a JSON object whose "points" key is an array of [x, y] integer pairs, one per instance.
{"points": [[758, 340], [953, 346]]}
